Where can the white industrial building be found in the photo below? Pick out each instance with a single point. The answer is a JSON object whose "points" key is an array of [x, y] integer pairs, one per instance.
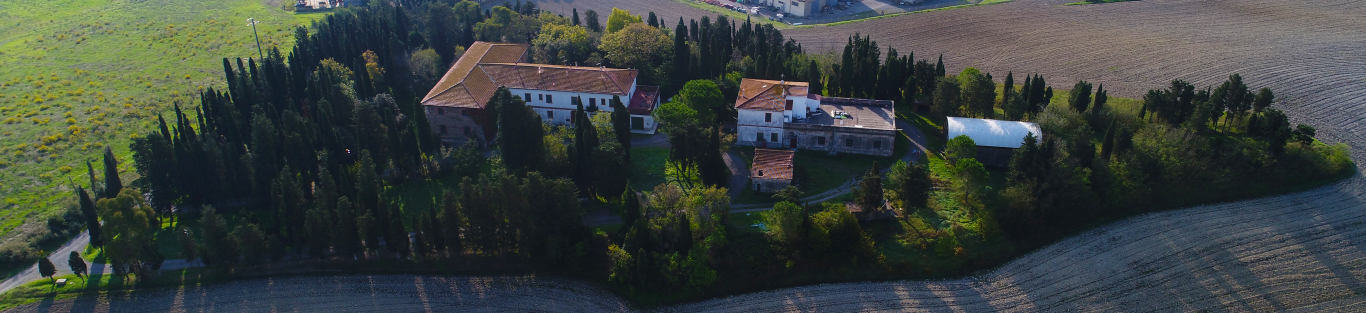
{"points": [[996, 139]]}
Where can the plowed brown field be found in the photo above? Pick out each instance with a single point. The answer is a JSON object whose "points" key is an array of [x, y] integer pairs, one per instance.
{"points": [[1298, 252]]}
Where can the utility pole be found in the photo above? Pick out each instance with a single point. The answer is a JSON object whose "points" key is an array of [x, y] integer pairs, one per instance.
{"points": [[253, 23]]}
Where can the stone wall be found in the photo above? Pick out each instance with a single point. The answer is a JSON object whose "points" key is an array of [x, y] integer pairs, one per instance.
{"points": [[769, 185], [879, 142], [455, 126]]}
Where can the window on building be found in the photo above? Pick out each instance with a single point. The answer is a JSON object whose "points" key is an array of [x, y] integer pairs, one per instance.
{"points": [[550, 114], [848, 142], [528, 96], [549, 99], [539, 96], [464, 113], [773, 136], [441, 111], [592, 101], [467, 131], [768, 117], [758, 136], [443, 129], [789, 105], [820, 141], [877, 144]]}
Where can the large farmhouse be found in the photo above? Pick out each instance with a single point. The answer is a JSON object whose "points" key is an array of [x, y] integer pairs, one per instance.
{"points": [[455, 107], [996, 140], [782, 114]]}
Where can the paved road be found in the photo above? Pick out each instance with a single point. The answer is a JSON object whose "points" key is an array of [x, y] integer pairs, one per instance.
{"points": [[59, 258]]}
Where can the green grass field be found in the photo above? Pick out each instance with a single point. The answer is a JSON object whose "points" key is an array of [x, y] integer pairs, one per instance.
{"points": [[79, 75]]}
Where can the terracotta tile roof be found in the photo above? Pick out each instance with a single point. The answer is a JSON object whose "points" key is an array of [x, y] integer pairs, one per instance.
{"points": [[767, 95], [465, 85], [561, 78], [772, 164], [486, 66], [644, 101]]}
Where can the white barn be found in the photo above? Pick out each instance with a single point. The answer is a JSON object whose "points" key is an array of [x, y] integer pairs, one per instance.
{"points": [[996, 139]]}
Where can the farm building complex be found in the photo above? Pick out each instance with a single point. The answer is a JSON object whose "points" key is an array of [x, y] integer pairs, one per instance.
{"points": [[996, 140], [772, 169], [455, 107], [801, 8], [782, 114]]}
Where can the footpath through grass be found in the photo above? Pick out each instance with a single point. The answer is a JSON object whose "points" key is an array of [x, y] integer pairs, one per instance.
{"points": [[79, 75]]}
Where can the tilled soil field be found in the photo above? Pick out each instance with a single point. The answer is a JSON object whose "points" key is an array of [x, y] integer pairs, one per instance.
{"points": [[358, 293], [1299, 252]]}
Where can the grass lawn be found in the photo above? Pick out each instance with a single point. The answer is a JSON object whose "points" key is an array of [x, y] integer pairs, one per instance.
{"points": [[103, 285], [79, 75], [647, 167]]}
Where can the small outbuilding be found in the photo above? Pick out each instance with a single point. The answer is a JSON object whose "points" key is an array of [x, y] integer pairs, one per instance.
{"points": [[772, 169], [996, 139]]}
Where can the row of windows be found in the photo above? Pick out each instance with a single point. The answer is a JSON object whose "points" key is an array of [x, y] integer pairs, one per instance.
{"points": [[592, 102], [819, 140], [442, 111]]}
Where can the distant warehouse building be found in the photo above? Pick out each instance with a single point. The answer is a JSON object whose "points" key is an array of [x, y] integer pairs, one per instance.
{"points": [[996, 140], [802, 8]]}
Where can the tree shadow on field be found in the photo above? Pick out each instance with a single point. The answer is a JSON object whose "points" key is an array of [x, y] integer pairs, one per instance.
{"points": [[1245, 267]]}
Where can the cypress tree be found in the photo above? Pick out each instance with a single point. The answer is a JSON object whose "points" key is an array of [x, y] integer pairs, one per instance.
{"points": [[94, 183], [112, 184], [396, 237], [435, 238], [591, 21], [630, 207], [575, 17], [653, 20], [451, 219], [1047, 97], [1080, 97], [92, 219], [1102, 97], [621, 127], [814, 77], [681, 57], [939, 67], [1108, 145], [1008, 91]]}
